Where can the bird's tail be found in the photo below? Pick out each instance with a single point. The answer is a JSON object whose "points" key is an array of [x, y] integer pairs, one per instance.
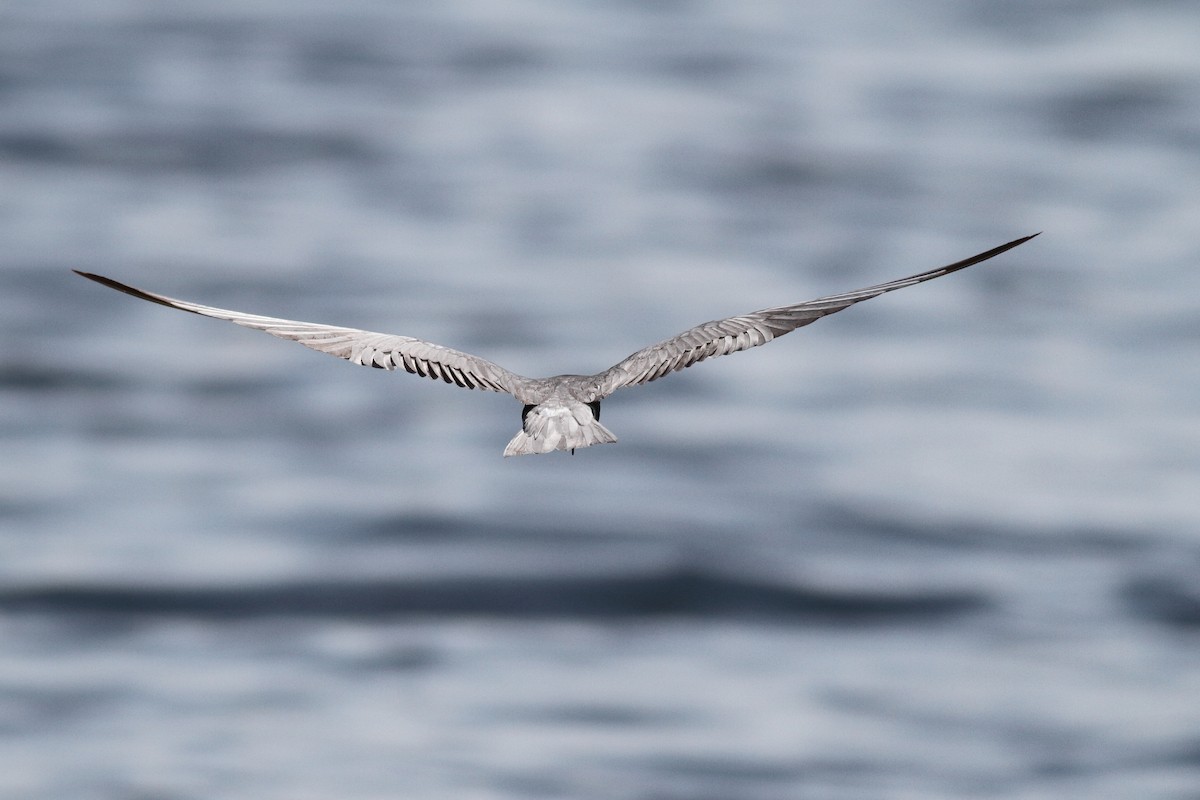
{"points": [[549, 427]]}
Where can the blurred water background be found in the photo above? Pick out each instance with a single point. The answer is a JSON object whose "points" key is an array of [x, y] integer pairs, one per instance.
{"points": [[943, 545]]}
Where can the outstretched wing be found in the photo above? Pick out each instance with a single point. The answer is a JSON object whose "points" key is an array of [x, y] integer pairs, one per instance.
{"points": [[724, 336], [380, 350]]}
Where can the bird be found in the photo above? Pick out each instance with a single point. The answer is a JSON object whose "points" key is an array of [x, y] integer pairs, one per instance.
{"points": [[562, 412]]}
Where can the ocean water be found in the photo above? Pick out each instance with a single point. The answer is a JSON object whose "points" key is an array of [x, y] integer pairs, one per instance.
{"points": [[943, 545]]}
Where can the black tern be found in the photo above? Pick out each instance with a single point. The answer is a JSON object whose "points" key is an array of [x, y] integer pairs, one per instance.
{"points": [[562, 412]]}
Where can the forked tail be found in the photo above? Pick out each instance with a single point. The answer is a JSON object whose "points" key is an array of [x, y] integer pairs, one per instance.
{"points": [[559, 426]]}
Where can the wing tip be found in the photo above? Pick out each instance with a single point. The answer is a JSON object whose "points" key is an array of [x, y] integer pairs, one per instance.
{"points": [[92, 276], [1016, 242], [130, 290]]}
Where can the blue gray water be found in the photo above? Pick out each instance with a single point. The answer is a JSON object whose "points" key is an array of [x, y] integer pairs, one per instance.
{"points": [[943, 545]]}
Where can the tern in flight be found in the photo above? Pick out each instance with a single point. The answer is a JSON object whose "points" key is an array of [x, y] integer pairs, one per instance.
{"points": [[562, 412]]}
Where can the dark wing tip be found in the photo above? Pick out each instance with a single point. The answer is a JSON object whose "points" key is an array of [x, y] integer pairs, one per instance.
{"points": [[91, 276], [121, 287], [984, 256], [995, 251], [109, 282], [1016, 242]]}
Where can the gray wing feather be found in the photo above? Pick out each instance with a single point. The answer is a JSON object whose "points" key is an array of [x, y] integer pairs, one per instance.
{"points": [[381, 350], [725, 336]]}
